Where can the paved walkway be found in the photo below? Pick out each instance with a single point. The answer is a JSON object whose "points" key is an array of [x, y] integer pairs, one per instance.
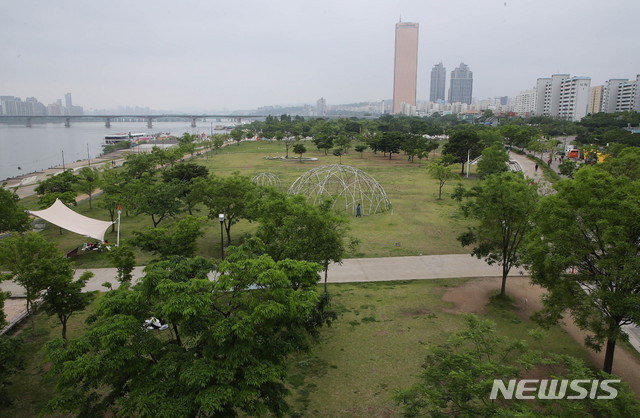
{"points": [[350, 271]]}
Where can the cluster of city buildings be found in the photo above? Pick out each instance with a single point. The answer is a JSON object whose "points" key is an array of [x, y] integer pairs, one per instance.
{"points": [[561, 95], [572, 97], [14, 106], [405, 77]]}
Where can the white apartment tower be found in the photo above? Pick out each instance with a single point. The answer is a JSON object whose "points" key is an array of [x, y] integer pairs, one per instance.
{"points": [[563, 96], [621, 95], [525, 103]]}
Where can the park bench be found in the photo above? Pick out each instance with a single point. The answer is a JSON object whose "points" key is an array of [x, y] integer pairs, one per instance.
{"points": [[72, 253]]}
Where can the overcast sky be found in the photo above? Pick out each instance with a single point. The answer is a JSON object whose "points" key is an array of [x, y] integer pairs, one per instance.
{"points": [[241, 54]]}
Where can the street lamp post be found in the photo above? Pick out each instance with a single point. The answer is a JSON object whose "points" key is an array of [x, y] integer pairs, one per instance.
{"points": [[221, 219]]}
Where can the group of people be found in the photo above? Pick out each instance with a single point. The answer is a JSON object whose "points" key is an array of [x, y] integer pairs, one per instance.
{"points": [[95, 246]]}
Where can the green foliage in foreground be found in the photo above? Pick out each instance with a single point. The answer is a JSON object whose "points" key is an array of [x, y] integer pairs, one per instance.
{"points": [[591, 226], [12, 216], [457, 379], [225, 350]]}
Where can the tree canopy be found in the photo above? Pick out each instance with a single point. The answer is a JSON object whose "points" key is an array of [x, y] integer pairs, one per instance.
{"points": [[12, 216], [226, 351], [584, 251], [503, 205]]}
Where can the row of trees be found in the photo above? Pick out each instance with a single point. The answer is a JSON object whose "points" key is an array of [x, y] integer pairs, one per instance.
{"points": [[580, 243]]}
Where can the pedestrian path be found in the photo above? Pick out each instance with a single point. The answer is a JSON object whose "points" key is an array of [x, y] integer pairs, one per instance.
{"points": [[352, 270]]}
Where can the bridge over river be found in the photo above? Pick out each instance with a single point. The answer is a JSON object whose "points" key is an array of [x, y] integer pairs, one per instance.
{"points": [[28, 120]]}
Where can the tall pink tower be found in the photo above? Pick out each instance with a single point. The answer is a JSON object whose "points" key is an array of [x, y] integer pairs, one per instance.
{"points": [[405, 71]]}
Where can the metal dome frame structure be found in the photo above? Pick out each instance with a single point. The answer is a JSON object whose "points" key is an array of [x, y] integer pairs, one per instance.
{"points": [[267, 179], [345, 185]]}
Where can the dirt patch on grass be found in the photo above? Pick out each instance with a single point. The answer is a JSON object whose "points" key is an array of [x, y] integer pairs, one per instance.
{"points": [[472, 297]]}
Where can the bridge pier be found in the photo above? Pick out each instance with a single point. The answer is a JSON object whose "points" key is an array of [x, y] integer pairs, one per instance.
{"points": [[193, 122], [28, 122], [149, 123], [107, 122], [67, 122]]}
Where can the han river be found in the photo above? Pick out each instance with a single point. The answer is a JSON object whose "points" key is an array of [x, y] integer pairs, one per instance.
{"points": [[25, 150]]}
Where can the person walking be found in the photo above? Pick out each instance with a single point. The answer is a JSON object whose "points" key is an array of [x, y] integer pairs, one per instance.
{"points": [[358, 211]]}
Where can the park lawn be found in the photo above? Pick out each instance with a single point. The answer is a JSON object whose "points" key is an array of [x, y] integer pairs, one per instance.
{"points": [[380, 340], [376, 345], [418, 224]]}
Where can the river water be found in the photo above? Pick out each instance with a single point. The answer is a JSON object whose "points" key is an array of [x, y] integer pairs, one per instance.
{"points": [[24, 150]]}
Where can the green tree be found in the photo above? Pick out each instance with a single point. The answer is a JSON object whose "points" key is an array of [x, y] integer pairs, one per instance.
{"points": [[464, 143], [235, 196], [64, 296], [343, 142], [218, 141], [390, 142], [12, 362], [183, 175], [237, 135], [60, 186], [299, 149], [33, 263], [113, 193], [338, 153], [136, 165], [457, 379], [361, 149], [440, 170], [88, 180], [494, 160], [292, 228], [568, 168], [179, 238], [503, 204], [626, 163], [227, 353], [187, 143], [124, 260], [158, 199], [12, 216], [591, 227]]}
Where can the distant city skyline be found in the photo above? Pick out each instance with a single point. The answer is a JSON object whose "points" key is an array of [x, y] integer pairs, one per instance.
{"points": [[244, 55]]}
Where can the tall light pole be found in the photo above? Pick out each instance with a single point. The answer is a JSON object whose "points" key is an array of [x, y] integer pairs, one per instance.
{"points": [[119, 212], [221, 219]]}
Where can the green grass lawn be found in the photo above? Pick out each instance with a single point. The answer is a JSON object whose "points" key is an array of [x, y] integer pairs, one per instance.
{"points": [[377, 345], [418, 223]]}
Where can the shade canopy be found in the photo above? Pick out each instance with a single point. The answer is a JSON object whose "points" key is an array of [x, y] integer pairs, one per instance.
{"points": [[60, 215]]}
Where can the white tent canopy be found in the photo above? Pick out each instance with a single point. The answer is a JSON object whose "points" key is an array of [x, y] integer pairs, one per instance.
{"points": [[60, 215]]}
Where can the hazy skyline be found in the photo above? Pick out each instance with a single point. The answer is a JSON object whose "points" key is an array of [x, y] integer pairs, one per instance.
{"points": [[214, 55]]}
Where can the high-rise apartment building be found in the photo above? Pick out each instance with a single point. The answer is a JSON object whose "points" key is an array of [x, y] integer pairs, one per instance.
{"points": [[595, 100], [405, 70], [321, 107], [621, 95], [438, 82], [574, 98], [461, 85], [67, 101], [525, 103], [563, 96]]}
